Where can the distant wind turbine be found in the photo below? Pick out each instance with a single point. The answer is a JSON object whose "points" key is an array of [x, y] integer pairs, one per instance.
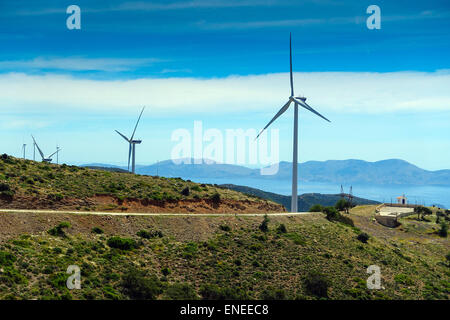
{"points": [[44, 159], [132, 145], [298, 101], [23, 149], [58, 149]]}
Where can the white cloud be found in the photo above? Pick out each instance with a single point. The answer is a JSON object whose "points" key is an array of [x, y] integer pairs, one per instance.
{"points": [[349, 92], [78, 64]]}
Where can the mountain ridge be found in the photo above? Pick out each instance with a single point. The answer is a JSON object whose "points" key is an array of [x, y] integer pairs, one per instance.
{"points": [[382, 172]]}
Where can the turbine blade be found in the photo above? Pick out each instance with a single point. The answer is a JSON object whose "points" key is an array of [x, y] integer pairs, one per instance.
{"points": [[307, 107], [290, 64], [137, 123], [129, 156], [123, 136], [39, 149], [279, 113], [53, 154]]}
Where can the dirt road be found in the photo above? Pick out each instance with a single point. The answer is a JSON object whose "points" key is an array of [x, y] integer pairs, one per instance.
{"points": [[152, 214]]}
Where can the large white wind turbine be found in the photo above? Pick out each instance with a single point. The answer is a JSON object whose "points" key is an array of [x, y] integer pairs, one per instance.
{"points": [[132, 143], [298, 101]]}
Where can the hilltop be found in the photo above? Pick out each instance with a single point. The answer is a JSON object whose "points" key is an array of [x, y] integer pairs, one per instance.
{"points": [[305, 201], [27, 184], [231, 257]]}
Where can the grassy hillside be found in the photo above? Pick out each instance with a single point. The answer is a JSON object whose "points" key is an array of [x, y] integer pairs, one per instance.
{"points": [[137, 257], [34, 185], [305, 201]]}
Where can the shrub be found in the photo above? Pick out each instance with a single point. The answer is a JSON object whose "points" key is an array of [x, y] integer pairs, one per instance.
{"points": [[342, 205], [97, 230], [138, 286], [189, 250], [444, 230], [166, 271], [225, 228], [403, 279], [215, 198], [181, 291], [334, 215], [317, 284], [422, 211], [264, 226], [316, 208], [185, 191], [121, 243], [58, 230], [4, 187], [196, 188], [150, 234], [273, 294], [331, 213], [281, 228], [363, 237], [6, 258]]}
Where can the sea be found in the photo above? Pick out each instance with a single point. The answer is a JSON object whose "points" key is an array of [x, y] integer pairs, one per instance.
{"points": [[425, 195]]}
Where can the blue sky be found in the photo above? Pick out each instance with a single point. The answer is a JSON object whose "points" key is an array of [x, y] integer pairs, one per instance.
{"points": [[225, 63]]}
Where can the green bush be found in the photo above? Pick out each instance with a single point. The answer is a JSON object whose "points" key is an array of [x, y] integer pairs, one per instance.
{"points": [[281, 228], [422, 211], [97, 230], [215, 198], [58, 230], [264, 226], [444, 230], [166, 271], [150, 234], [342, 205], [403, 279], [6, 258], [180, 291], [225, 228], [186, 192], [316, 208], [138, 286], [273, 294], [189, 250], [121, 243], [317, 284], [363, 237]]}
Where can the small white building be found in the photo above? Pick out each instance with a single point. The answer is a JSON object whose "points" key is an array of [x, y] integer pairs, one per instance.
{"points": [[402, 200]]}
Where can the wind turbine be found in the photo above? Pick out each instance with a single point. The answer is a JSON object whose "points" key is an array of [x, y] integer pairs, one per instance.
{"points": [[44, 159], [23, 148], [132, 143], [298, 101], [58, 149]]}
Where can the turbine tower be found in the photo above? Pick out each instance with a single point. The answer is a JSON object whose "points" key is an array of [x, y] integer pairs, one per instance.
{"points": [[58, 149], [23, 149], [298, 101], [132, 145]]}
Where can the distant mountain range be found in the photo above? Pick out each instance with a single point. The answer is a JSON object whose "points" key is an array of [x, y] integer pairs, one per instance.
{"points": [[305, 201], [385, 172]]}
